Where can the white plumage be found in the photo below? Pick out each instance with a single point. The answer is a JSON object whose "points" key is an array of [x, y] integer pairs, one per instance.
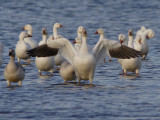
{"points": [[22, 47], [44, 63], [30, 39]]}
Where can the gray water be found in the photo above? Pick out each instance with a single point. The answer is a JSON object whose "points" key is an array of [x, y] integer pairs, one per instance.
{"points": [[113, 96]]}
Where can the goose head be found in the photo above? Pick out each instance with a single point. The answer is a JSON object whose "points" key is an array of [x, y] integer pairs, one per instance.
{"points": [[143, 28], [44, 31], [27, 27], [150, 34], [80, 29], [23, 35], [57, 25], [78, 40], [130, 33], [11, 53], [51, 37], [99, 31], [122, 38]]}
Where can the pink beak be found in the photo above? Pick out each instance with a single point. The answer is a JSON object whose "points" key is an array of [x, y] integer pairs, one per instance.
{"points": [[140, 42], [121, 41], [96, 32], [74, 42], [23, 28]]}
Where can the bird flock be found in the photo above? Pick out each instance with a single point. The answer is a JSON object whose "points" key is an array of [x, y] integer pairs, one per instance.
{"points": [[75, 60]]}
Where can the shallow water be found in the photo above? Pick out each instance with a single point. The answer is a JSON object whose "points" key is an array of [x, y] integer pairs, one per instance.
{"points": [[113, 96]]}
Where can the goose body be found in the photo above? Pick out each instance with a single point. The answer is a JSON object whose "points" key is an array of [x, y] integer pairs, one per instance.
{"points": [[132, 64], [22, 47], [13, 72], [67, 72], [44, 63]]}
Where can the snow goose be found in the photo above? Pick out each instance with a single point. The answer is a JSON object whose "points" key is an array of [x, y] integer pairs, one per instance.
{"points": [[13, 72], [22, 47], [67, 72], [58, 58], [30, 40], [83, 62], [147, 34], [100, 31], [132, 64], [1, 53], [44, 63]]}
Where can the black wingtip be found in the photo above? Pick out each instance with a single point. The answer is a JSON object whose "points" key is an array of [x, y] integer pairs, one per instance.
{"points": [[42, 51]]}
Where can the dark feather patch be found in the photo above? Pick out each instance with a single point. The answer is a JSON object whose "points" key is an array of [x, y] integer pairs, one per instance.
{"points": [[124, 52], [43, 51]]}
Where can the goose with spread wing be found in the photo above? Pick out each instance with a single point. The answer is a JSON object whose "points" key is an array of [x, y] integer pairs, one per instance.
{"points": [[44, 63], [84, 62]]}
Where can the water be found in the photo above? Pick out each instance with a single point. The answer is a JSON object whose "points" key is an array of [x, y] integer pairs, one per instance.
{"points": [[113, 96]]}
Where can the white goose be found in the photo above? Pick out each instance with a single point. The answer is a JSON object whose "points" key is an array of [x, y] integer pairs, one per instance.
{"points": [[13, 72], [58, 58], [67, 72], [22, 47], [147, 34], [44, 63], [30, 40], [83, 62], [1, 53], [132, 64], [100, 31], [78, 40]]}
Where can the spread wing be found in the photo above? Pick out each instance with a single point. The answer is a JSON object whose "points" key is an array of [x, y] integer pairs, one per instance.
{"points": [[114, 48], [62, 45]]}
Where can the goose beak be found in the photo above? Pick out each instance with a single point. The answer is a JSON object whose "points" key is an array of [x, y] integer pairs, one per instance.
{"points": [[43, 32], [96, 32], [74, 42], [61, 25], [121, 41], [140, 42], [23, 28]]}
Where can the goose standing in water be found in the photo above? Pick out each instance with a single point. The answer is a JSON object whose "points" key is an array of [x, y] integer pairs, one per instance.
{"points": [[22, 47], [30, 40], [44, 63], [13, 72], [84, 62], [132, 64]]}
